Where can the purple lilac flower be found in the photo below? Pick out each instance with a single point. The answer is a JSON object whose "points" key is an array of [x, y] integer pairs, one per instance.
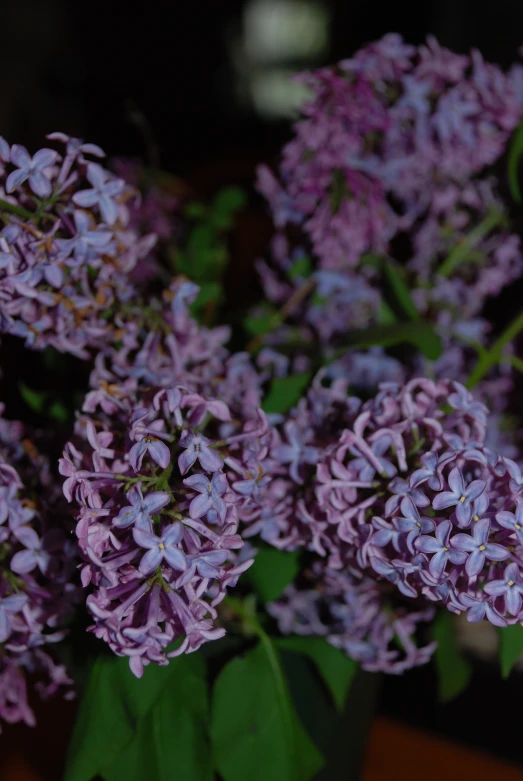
{"points": [[510, 588], [459, 496], [105, 188], [479, 548], [159, 546], [31, 168], [210, 495], [140, 509], [85, 255], [38, 588]]}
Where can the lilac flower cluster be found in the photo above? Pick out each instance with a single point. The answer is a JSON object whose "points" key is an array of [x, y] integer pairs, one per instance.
{"points": [[161, 478], [36, 578], [161, 345], [67, 245], [389, 157], [402, 505], [393, 121]]}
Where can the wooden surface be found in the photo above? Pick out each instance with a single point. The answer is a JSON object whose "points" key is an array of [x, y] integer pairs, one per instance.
{"points": [[394, 753], [399, 753]]}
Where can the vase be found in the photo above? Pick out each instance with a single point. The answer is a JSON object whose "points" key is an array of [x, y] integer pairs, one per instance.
{"points": [[341, 737]]}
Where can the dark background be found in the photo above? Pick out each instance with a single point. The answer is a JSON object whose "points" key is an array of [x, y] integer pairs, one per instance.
{"points": [[85, 67]]}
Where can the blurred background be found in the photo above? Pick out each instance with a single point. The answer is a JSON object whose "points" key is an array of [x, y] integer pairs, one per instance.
{"points": [[202, 90]]}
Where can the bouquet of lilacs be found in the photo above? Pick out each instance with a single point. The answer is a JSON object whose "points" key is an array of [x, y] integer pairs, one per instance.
{"points": [[180, 520]]}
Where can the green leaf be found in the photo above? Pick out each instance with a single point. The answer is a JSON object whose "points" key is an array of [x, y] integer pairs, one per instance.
{"points": [[34, 399], [386, 316], [510, 647], [272, 571], [514, 158], [195, 210], [464, 251], [225, 205], [103, 726], [255, 731], [285, 392], [301, 267], [210, 292], [116, 705], [420, 334], [454, 672], [171, 741], [260, 324], [395, 278], [335, 667], [58, 411], [395, 284]]}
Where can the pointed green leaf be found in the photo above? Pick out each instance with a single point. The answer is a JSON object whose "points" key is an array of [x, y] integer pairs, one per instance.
{"points": [[510, 647], [103, 725], [58, 411], [114, 705], [272, 571], [255, 731], [34, 399], [259, 324], [285, 392], [335, 667], [454, 672], [419, 334], [301, 267], [399, 289], [514, 159], [171, 738], [225, 205]]}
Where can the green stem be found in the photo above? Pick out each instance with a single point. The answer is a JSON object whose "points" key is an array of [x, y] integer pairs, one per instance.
{"points": [[274, 663], [491, 357], [287, 309], [163, 482], [516, 362], [18, 210], [462, 251]]}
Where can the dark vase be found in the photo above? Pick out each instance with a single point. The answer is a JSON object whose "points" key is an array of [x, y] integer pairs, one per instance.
{"points": [[341, 737]]}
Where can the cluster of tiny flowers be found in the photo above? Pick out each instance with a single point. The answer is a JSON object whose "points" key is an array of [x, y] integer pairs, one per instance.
{"points": [[354, 613], [36, 580], [161, 478], [352, 483], [381, 130], [162, 345], [67, 245]]}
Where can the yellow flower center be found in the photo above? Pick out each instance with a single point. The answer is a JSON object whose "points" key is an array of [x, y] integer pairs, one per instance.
{"points": [[510, 583], [475, 517], [482, 547], [462, 499], [161, 546]]}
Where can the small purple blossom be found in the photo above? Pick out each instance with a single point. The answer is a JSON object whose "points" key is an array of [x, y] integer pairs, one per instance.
{"points": [[105, 188], [197, 449], [211, 492], [510, 588], [459, 496], [512, 521], [31, 168], [479, 548], [34, 555], [160, 548], [154, 448], [140, 510]]}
